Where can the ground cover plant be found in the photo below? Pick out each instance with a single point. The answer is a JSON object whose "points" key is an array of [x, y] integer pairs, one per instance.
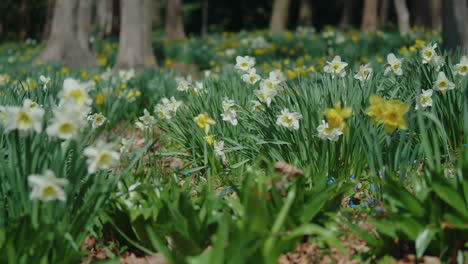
{"points": [[263, 145]]}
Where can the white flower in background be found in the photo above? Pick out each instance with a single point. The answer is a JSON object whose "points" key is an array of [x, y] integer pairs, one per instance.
{"points": [[101, 156], [162, 112], [44, 81], [428, 53], [230, 52], [251, 76], [244, 63], [265, 95], [364, 73], [198, 88], [2, 80], [270, 84], [336, 67], [228, 104], [126, 76], [28, 103], [437, 62], [70, 106], [73, 89], [171, 104], [65, 124], [146, 120], [462, 67], [257, 106], [23, 118], [394, 64], [277, 76], [288, 119], [443, 84], [326, 132], [219, 150], [97, 119], [123, 145], [183, 85], [47, 187], [425, 99], [229, 111]]}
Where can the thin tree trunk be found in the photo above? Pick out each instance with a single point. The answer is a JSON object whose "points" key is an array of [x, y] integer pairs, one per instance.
{"points": [[347, 13], [104, 17], [279, 16], [403, 16], [48, 22], [455, 24], [174, 28], [383, 12], [62, 45], [24, 22], [436, 14], [135, 46], [156, 13], [305, 14], [204, 28], [369, 16], [422, 13], [84, 23]]}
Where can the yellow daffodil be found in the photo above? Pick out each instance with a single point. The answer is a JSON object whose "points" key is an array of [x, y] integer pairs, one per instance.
{"points": [[204, 122], [337, 115]]}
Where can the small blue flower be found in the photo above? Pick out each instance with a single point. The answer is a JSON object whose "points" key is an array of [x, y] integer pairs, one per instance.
{"points": [[185, 173], [351, 204], [352, 177], [372, 188], [228, 188], [330, 181]]}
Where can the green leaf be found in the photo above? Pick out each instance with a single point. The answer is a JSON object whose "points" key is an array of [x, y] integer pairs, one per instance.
{"points": [[451, 197], [423, 240]]}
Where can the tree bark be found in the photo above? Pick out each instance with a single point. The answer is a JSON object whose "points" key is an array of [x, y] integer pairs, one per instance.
{"points": [[62, 45], [305, 14], [156, 13], [403, 16], [135, 46], [422, 13], [104, 17], [369, 16], [174, 28], [48, 22], [347, 13], [383, 12], [204, 28], [436, 14], [25, 19], [84, 23], [455, 24], [279, 16]]}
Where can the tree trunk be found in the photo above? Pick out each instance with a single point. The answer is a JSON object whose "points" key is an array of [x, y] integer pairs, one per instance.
{"points": [[84, 23], [369, 16], [25, 19], [455, 24], [422, 13], [305, 14], [383, 12], [403, 16], [174, 28], [436, 14], [347, 13], [135, 46], [204, 28], [104, 17], [156, 13], [48, 22], [62, 45], [279, 16]]}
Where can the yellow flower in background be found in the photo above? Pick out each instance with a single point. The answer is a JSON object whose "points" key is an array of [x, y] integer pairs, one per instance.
{"points": [[204, 122], [48, 68], [100, 98], [65, 71], [209, 139], [212, 63], [337, 115], [354, 39], [84, 75], [419, 43], [168, 62], [39, 63], [95, 78], [311, 68], [102, 60], [375, 108], [23, 70], [387, 112], [379, 59]]}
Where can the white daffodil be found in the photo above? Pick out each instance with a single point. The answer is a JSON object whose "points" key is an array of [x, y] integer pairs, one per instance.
{"points": [[364, 73], [146, 120], [336, 67], [65, 125], [244, 63], [162, 111], [183, 85], [428, 53], [28, 103], [325, 132], [171, 104], [288, 119], [462, 67], [230, 116], [251, 76], [123, 145], [126, 75], [257, 106], [443, 84], [425, 99], [277, 76], [44, 81], [270, 84], [219, 150], [198, 88], [265, 95], [97, 119], [394, 64], [73, 89], [47, 187], [23, 118], [437, 62], [101, 156]]}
